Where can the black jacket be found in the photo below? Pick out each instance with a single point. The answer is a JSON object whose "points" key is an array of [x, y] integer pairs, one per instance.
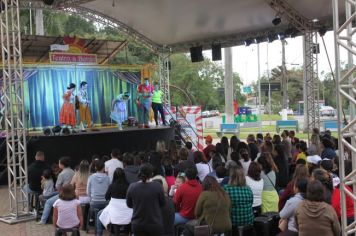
{"points": [[35, 171]]}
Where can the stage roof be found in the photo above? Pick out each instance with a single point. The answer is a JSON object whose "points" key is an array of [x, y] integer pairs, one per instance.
{"points": [[35, 49], [179, 24]]}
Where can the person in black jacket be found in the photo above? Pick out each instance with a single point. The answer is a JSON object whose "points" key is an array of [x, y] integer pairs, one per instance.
{"points": [[130, 169], [251, 142], [147, 200], [35, 171], [282, 176]]}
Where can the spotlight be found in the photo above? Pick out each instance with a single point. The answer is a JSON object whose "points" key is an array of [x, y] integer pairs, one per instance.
{"points": [[66, 131], [277, 20], [271, 37], [48, 2], [56, 129], [322, 31], [47, 131], [248, 42]]}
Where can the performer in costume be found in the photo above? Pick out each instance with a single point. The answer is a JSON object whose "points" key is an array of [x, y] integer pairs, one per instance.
{"points": [[84, 109], [157, 104], [67, 113], [119, 111], [144, 95]]}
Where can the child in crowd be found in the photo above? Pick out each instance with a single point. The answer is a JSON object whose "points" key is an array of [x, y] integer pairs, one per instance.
{"points": [[302, 151], [178, 182], [47, 185], [67, 212], [168, 169]]}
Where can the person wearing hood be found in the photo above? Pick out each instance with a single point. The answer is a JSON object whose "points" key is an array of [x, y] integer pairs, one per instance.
{"points": [[186, 197], [98, 184], [315, 217], [131, 171]]}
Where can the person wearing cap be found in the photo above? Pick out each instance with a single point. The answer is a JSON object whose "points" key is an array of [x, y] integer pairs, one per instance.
{"points": [[144, 98], [67, 113], [209, 146], [157, 104], [119, 110], [84, 110]]}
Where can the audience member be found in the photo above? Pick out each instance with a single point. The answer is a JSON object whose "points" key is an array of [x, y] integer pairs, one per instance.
{"points": [[286, 141], [64, 178], [179, 181], [241, 199], [169, 175], [245, 159], [315, 145], [234, 142], [282, 175], [47, 185], [225, 145], [315, 217], [130, 169], [294, 140], [80, 180], [173, 152], [270, 196], [147, 200], [328, 151], [209, 145], [183, 162], [35, 171], [156, 175], [213, 207], [313, 162], [276, 139], [189, 147], [252, 146], [186, 197], [219, 152], [287, 221], [94, 158], [98, 184], [329, 166], [255, 182], [113, 163], [203, 168], [67, 212], [302, 151], [326, 180]]}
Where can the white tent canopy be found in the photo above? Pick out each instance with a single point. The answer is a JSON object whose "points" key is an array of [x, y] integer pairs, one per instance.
{"points": [[179, 24]]}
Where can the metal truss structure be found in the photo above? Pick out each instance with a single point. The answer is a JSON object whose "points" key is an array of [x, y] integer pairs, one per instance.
{"points": [[311, 84], [14, 117], [164, 69], [345, 94]]}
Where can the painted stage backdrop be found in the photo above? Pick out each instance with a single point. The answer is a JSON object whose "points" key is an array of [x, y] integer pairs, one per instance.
{"points": [[45, 85]]}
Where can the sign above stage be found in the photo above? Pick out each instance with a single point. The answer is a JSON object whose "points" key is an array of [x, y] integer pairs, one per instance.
{"points": [[72, 58]]}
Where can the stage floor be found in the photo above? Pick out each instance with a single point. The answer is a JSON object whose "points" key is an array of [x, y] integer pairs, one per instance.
{"points": [[83, 145]]}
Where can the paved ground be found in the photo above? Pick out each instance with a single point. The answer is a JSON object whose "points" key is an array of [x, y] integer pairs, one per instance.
{"points": [[29, 228]]}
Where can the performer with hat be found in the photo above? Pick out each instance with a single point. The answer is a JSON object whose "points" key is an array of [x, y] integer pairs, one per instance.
{"points": [[67, 113], [119, 110], [84, 109], [144, 99]]}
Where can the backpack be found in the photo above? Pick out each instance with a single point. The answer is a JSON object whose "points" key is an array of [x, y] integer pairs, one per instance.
{"points": [[76, 102]]}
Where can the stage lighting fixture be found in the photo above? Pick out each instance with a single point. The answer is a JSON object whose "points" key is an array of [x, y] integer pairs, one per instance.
{"points": [[248, 42], [322, 31], [277, 20], [196, 54], [48, 2], [56, 129], [47, 131], [271, 38], [216, 52], [260, 39], [66, 131], [281, 36]]}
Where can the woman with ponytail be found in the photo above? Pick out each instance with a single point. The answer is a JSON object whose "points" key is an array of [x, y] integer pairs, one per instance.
{"points": [[147, 200]]}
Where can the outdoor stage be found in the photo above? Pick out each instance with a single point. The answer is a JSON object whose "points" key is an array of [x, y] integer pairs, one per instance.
{"points": [[83, 145]]}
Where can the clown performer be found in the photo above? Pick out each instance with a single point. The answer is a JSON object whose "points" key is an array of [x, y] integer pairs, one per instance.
{"points": [[84, 109], [144, 96], [157, 104], [119, 110], [67, 113]]}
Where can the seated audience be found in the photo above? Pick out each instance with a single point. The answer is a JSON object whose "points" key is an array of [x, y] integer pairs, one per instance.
{"points": [[64, 177], [255, 182], [189, 147], [326, 180], [131, 170], [313, 162], [169, 175], [47, 185], [35, 171], [203, 168], [315, 217], [287, 221], [98, 184], [147, 200], [80, 180], [183, 162], [270, 196], [302, 151], [241, 198], [179, 181], [213, 208], [157, 175], [113, 163], [186, 197], [327, 147], [251, 142], [67, 213], [315, 145], [245, 159], [209, 146]]}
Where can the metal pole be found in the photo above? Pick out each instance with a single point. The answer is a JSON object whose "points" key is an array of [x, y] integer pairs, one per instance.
{"points": [[39, 22], [30, 18], [259, 86], [269, 90], [284, 77], [229, 92]]}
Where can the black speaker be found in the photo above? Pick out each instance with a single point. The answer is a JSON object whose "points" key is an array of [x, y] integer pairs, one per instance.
{"points": [[216, 52], [196, 54], [48, 2]]}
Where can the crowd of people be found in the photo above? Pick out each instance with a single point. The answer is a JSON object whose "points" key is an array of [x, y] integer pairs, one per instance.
{"points": [[225, 186]]}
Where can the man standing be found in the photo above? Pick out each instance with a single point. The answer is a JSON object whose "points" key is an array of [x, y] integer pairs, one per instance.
{"points": [[157, 104], [144, 97], [35, 171], [84, 109]]}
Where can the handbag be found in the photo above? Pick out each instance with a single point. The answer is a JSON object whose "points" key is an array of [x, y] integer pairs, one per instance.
{"points": [[206, 229]]}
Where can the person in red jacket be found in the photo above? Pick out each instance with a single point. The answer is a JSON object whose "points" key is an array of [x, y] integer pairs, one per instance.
{"points": [[186, 197]]}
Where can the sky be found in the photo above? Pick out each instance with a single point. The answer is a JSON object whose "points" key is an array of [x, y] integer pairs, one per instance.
{"points": [[244, 58]]}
